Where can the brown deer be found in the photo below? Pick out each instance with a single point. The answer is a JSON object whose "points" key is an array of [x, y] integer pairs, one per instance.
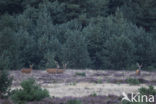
{"points": [[138, 71], [56, 70], [27, 70]]}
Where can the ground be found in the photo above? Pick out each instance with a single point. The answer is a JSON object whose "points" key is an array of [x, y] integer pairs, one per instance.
{"points": [[83, 84]]}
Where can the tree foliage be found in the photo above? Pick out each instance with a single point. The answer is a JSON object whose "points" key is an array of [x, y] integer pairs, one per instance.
{"points": [[96, 34], [5, 83]]}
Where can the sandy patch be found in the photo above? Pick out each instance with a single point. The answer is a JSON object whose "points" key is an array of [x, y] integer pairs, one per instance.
{"points": [[85, 89]]}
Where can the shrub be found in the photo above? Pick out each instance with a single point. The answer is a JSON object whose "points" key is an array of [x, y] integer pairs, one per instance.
{"points": [[93, 94], [132, 81], [147, 91], [30, 92], [5, 83], [83, 74], [73, 83], [99, 81], [74, 102]]}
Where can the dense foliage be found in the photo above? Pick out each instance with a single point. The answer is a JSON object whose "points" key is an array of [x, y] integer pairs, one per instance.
{"points": [[147, 91], [99, 34], [30, 92], [133, 81], [5, 83]]}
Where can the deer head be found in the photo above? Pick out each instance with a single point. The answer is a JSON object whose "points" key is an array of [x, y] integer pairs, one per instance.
{"points": [[31, 66], [65, 65], [139, 66]]}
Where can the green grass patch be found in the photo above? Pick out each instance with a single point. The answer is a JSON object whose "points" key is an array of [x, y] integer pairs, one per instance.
{"points": [[147, 91], [93, 94], [73, 83], [99, 81], [133, 81]]}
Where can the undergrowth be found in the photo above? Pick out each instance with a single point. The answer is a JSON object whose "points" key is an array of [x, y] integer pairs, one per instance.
{"points": [[133, 81], [30, 91]]}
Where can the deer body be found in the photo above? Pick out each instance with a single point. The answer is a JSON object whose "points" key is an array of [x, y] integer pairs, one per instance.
{"points": [[56, 70], [138, 71], [27, 70]]}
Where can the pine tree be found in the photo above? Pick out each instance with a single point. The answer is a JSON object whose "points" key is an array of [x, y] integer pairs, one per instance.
{"points": [[95, 44], [75, 51], [141, 12], [120, 52], [45, 36], [7, 42]]}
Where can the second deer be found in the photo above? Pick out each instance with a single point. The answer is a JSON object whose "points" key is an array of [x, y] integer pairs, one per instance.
{"points": [[138, 71], [56, 70]]}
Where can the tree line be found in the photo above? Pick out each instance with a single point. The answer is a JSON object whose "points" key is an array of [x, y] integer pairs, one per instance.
{"points": [[101, 34]]}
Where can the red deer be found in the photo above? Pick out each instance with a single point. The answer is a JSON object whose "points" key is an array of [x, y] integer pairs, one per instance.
{"points": [[27, 70], [138, 71], [56, 70]]}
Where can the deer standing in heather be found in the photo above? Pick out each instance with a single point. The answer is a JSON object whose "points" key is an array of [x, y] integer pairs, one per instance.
{"points": [[138, 71], [56, 70], [27, 70]]}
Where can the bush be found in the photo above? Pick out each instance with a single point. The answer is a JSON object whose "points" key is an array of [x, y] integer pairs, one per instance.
{"points": [[147, 91], [30, 92], [83, 74], [74, 102], [93, 94], [132, 81], [99, 81], [5, 83], [73, 83]]}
